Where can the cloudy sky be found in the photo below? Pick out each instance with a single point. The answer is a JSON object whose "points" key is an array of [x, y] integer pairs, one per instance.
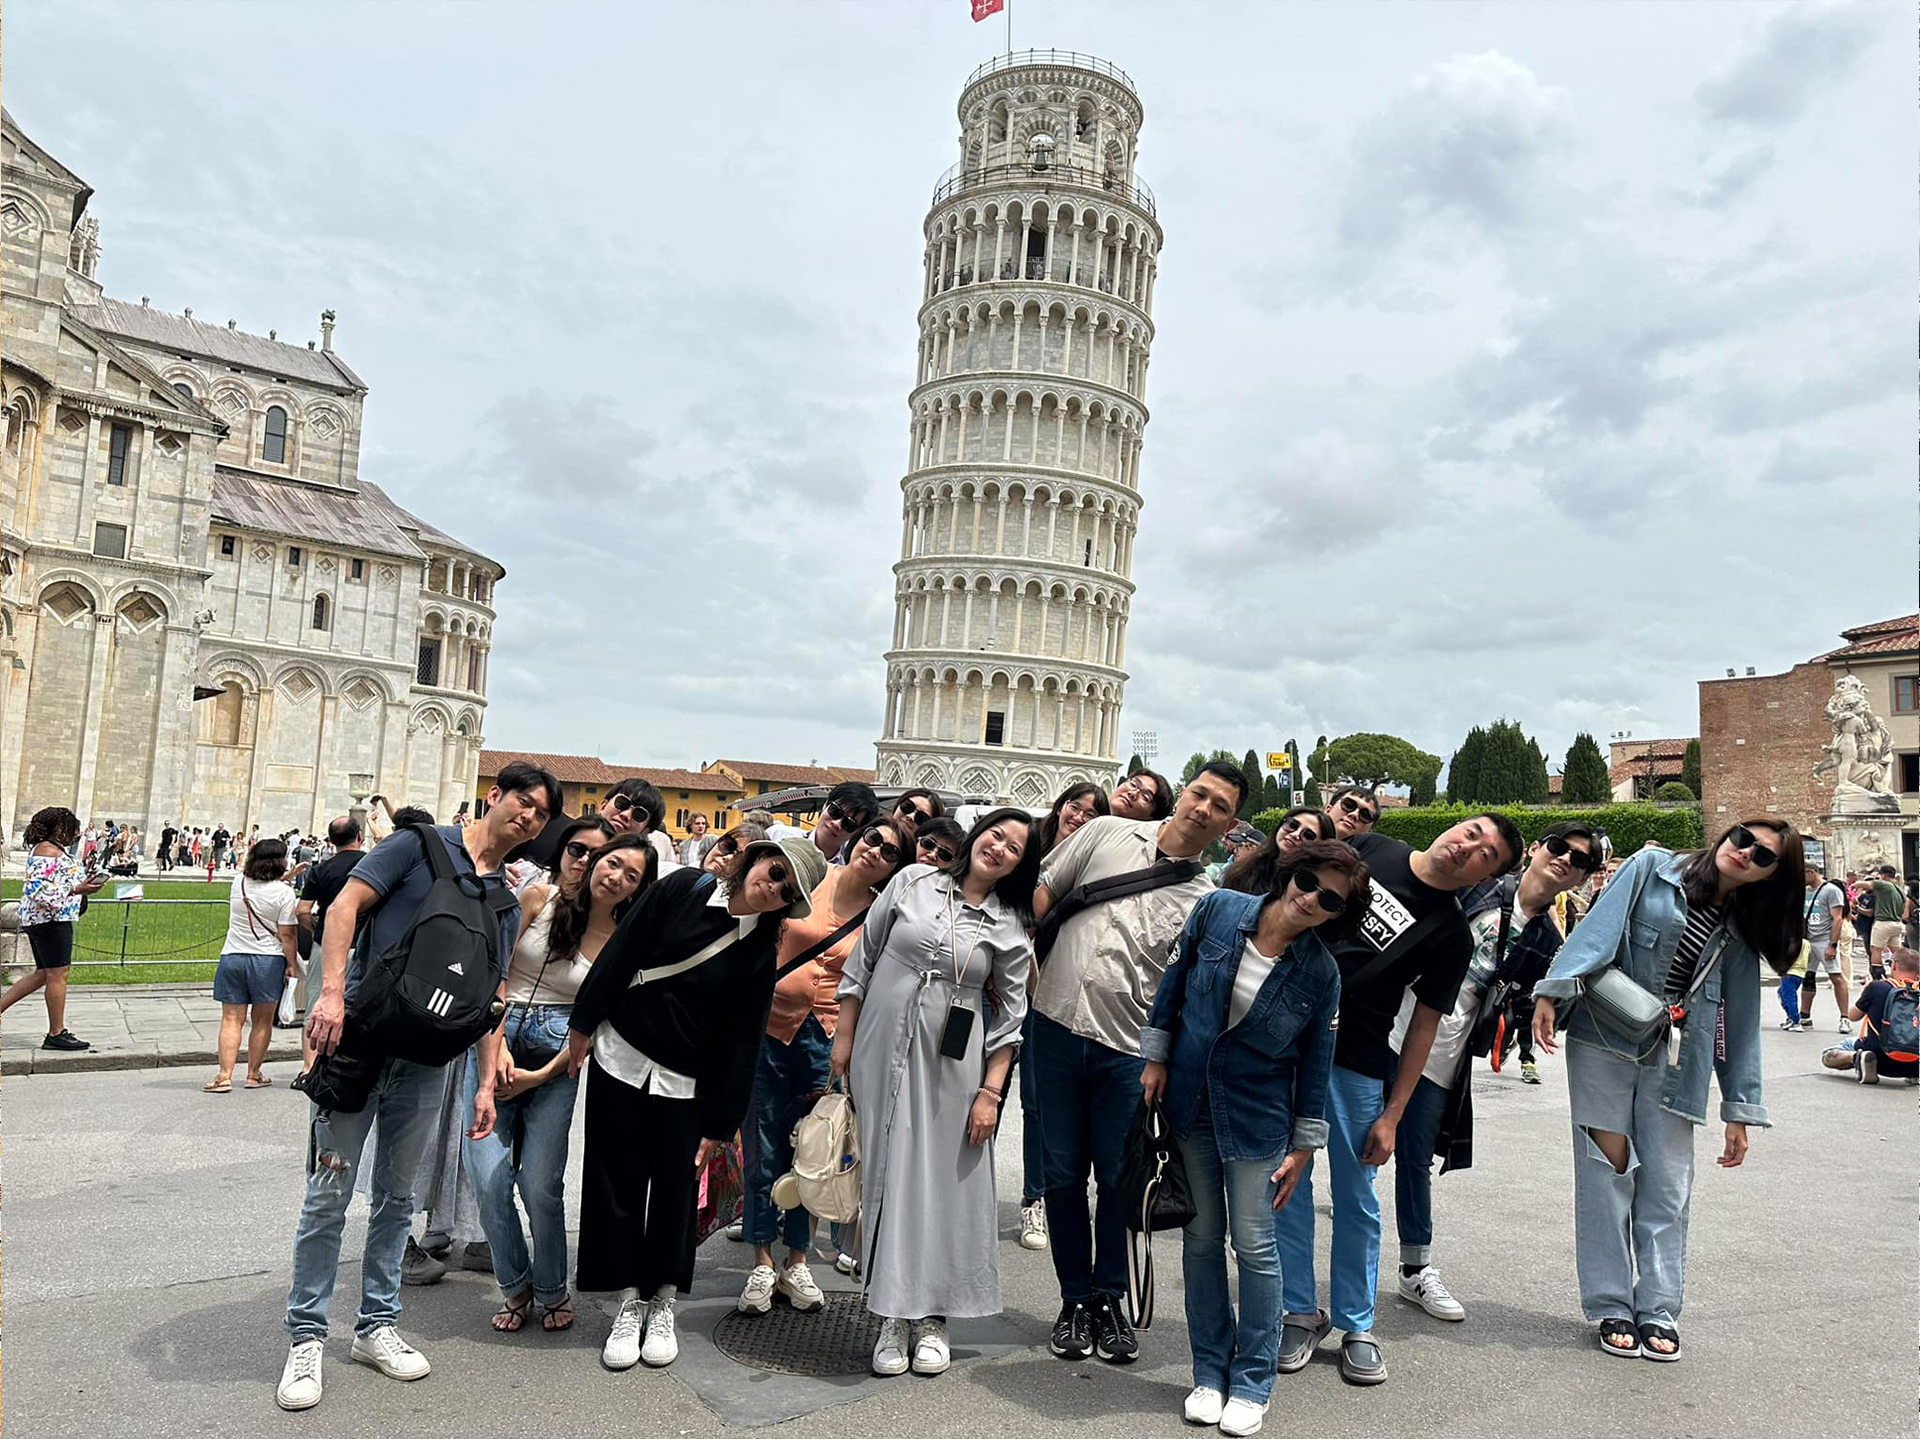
{"points": [[1529, 360]]}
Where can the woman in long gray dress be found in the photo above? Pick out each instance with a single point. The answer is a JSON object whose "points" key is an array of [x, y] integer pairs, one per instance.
{"points": [[928, 1059]]}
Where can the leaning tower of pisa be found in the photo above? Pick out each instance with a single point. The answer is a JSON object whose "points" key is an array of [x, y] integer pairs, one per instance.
{"points": [[1021, 494]]}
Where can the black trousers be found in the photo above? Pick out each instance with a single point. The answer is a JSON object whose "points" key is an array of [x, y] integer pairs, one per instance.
{"points": [[638, 1189]]}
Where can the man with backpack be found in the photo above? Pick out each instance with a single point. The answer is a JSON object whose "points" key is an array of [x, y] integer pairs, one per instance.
{"points": [[398, 1002], [1889, 1011]]}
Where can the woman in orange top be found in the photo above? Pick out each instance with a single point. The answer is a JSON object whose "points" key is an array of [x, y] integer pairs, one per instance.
{"points": [[793, 1061]]}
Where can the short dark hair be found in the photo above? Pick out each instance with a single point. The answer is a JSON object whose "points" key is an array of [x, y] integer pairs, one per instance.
{"points": [[1570, 829], [921, 793], [1510, 836], [856, 798], [1887, 869], [1162, 792], [267, 860], [1231, 773], [343, 831], [940, 827], [1359, 791], [1017, 886], [411, 814], [520, 777], [644, 796], [1331, 854]]}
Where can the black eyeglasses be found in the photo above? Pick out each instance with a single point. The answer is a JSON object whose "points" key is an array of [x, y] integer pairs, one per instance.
{"points": [[1586, 861], [1331, 900], [1354, 806], [877, 837], [1740, 837], [937, 850], [577, 850]]}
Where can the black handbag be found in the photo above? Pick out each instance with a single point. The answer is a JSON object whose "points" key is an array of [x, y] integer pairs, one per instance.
{"points": [[1154, 1195]]}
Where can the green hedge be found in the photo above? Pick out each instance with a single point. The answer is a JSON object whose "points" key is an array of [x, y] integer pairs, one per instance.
{"points": [[1628, 825]]}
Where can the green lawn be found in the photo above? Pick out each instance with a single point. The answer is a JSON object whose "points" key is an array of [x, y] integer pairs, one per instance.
{"points": [[162, 943]]}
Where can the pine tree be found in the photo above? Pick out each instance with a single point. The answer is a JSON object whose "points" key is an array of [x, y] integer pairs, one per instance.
{"points": [[1255, 789], [1690, 766], [1539, 787], [1505, 769], [1463, 771], [1272, 796], [1585, 779]]}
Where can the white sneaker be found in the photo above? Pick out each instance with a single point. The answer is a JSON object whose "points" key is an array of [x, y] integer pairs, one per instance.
{"points": [[1203, 1406], [622, 1349], [737, 1231], [385, 1350], [757, 1297], [300, 1380], [931, 1354], [1242, 1416], [796, 1286], [662, 1345], [1426, 1290], [846, 1264], [890, 1349], [1033, 1225], [1845, 1028]]}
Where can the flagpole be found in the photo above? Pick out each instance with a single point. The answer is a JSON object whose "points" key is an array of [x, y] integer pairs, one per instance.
{"points": [[1009, 29]]}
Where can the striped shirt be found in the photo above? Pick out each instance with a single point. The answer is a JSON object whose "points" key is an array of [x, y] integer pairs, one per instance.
{"points": [[1702, 921]]}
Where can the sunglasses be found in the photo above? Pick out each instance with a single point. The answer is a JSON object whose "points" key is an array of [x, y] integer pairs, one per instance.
{"points": [[1331, 900], [577, 850], [1583, 860], [1353, 806], [1299, 826], [937, 850], [625, 804], [839, 816], [777, 872], [877, 837], [912, 807], [1740, 837]]}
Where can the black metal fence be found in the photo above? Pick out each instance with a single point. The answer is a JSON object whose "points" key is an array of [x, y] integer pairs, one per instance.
{"points": [[130, 932]]}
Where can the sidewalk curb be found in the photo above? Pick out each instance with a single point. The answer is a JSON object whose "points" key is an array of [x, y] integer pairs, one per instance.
{"points": [[53, 1061]]}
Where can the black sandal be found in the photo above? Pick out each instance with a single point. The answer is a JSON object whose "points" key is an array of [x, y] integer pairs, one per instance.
{"points": [[563, 1306], [514, 1314], [1619, 1328], [1651, 1332]]}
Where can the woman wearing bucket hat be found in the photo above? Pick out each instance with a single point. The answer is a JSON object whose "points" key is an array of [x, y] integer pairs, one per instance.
{"points": [[673, 1012]]}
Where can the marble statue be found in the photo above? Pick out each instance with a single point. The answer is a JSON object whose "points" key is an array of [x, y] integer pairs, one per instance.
{"points": [[1860, 754]]}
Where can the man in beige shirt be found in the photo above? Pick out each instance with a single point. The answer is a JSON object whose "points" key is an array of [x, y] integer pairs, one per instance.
{"points": [[1090, 1001]]}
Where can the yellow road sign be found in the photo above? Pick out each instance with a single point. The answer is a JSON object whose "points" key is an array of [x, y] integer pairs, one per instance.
{"points": [[1279, 760]]}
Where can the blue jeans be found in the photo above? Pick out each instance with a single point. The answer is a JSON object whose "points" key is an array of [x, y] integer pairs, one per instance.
{"points": [[1086, 1096], [406, 1101], [1413, 1168], [536, 1125], [787, 1073], [1353, 1103], [1234, 1357]]}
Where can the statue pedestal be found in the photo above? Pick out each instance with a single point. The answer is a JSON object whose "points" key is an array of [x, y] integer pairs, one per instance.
{"points": [[1862, 842]]}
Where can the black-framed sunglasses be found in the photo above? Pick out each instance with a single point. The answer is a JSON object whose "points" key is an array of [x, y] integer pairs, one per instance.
{"points": [[877, 837], [779, 874], [838, 815], [1740, 837], [1355, 807], [1586, 861], [626, 804], [938, 850], [911, 807], [577, 850], [1331, 900], [1297, 825]]}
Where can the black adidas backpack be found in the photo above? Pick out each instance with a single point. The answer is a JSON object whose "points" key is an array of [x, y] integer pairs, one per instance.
{"points": [[434, 991]]}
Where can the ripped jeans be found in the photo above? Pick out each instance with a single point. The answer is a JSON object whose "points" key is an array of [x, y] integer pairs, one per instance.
{"points": [[406, 1101]]}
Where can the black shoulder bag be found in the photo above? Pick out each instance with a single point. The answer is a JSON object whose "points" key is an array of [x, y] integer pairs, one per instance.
{"points": [[1099, 891]]}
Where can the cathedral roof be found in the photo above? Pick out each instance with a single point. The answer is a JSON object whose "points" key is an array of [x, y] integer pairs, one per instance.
{"points": [[184, 336], [363, 519]]}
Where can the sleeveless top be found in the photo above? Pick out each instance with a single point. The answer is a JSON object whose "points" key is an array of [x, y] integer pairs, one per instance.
{"points": [[562, 980]]}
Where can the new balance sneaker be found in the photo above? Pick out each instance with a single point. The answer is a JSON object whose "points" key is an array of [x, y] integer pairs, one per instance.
{"points": [[796, 1286], [1033, 1225], [65, 1039], [931, 1353], [1242, 1416], [1426, 1290], [419, 1267], [300, 1380], [1072, 1332], [384, 1349], [757, 1297], [1113, 1337], [1529, 1072], [661, 1346], [622, 1349], [890, 1349], [1203, 1405]]}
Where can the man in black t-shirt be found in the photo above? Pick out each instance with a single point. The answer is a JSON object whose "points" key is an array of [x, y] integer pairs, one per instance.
{"points": [[324, 883], [1867, 1056], [1414, 937]]}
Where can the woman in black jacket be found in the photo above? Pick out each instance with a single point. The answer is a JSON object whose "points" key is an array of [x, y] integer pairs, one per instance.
{"points": [[673, 1011]]}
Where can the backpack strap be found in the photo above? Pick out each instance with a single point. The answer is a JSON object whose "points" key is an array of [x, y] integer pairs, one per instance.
{"points": [[1099, 891], [434, 850], [814, 951]]}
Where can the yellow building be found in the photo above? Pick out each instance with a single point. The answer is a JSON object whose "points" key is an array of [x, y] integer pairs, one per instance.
{"points": [[751, 777], [585, 780]]}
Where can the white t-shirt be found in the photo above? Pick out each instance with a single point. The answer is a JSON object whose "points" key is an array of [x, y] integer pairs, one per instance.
{"points": [[255, 912], [1247, 979]]}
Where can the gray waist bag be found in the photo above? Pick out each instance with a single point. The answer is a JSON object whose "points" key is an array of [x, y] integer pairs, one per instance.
{"points": [[1626, 1009]]}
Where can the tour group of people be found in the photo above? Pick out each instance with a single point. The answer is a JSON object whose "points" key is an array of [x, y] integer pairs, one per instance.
{"points": [[1300, 1016]]}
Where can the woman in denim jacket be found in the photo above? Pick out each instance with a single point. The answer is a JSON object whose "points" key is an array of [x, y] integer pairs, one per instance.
{"points": [[1693, 929], [1240, 1045]]}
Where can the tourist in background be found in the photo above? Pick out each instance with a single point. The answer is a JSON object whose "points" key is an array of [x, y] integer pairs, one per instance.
{"points": [[1693, 928], [1860, 910], [1253, 871], [1825, 919], [690, 847], [169, 833], [1141, 795], [52, 898], [323, 886], [259, 958], [1889, 912], [928, 1060]]}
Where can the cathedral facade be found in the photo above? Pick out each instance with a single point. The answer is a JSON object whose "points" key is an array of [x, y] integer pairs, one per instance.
{"points": [[206, 615]]}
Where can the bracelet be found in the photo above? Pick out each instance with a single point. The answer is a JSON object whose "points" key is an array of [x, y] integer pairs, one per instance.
{"points": [[989, 1089]]}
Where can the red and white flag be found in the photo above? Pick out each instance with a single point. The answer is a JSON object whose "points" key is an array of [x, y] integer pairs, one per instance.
{"points": [[983, 8]]}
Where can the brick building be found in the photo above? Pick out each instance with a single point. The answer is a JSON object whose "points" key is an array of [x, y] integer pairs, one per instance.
{"points": [[1638, 767], [1762, 735]]}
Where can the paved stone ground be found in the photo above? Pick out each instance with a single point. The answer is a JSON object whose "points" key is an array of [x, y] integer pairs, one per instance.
{"points": [[136, 1026], [147, 1232]]}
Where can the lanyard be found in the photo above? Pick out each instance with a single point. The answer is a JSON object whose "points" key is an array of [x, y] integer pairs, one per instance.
{"points": [[960, 967]]}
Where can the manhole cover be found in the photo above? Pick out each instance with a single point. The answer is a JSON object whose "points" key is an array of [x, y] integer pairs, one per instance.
{"points": [[835, 1340]]}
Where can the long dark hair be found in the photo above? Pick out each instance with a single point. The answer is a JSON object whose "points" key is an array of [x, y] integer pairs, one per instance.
{"points": [[593, 820], [1253, 872], [1766, 912], [267, 860], [1333, 854], [53, 825], [570, 910], [1015, 888], [1047, 832]]}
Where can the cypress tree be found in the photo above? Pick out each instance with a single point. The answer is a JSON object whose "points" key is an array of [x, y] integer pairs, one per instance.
{"points": [[1585, 779]]}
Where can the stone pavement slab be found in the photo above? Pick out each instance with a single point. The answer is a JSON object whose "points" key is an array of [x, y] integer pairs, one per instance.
{"points": [[148, 1227], [132, 1026]]}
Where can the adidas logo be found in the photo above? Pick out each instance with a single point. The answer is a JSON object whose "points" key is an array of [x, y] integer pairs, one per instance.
{"points": [[455, 968], [440, 1002]]}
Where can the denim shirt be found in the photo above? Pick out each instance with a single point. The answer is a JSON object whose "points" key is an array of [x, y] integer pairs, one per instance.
{"points": [[1637, 923], [1265, 1079]]}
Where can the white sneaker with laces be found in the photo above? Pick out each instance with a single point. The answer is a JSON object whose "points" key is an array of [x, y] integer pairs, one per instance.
{"points": [[1242, 1416], [1845, 1028], [931, 1354], [1426, 1290], [890, 1349], [385, 1350], [796, 1286], [622, 1349], [1033, 1225], [1203, 1406], [757, 1297], [300, 1380], [662, 1345]]}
